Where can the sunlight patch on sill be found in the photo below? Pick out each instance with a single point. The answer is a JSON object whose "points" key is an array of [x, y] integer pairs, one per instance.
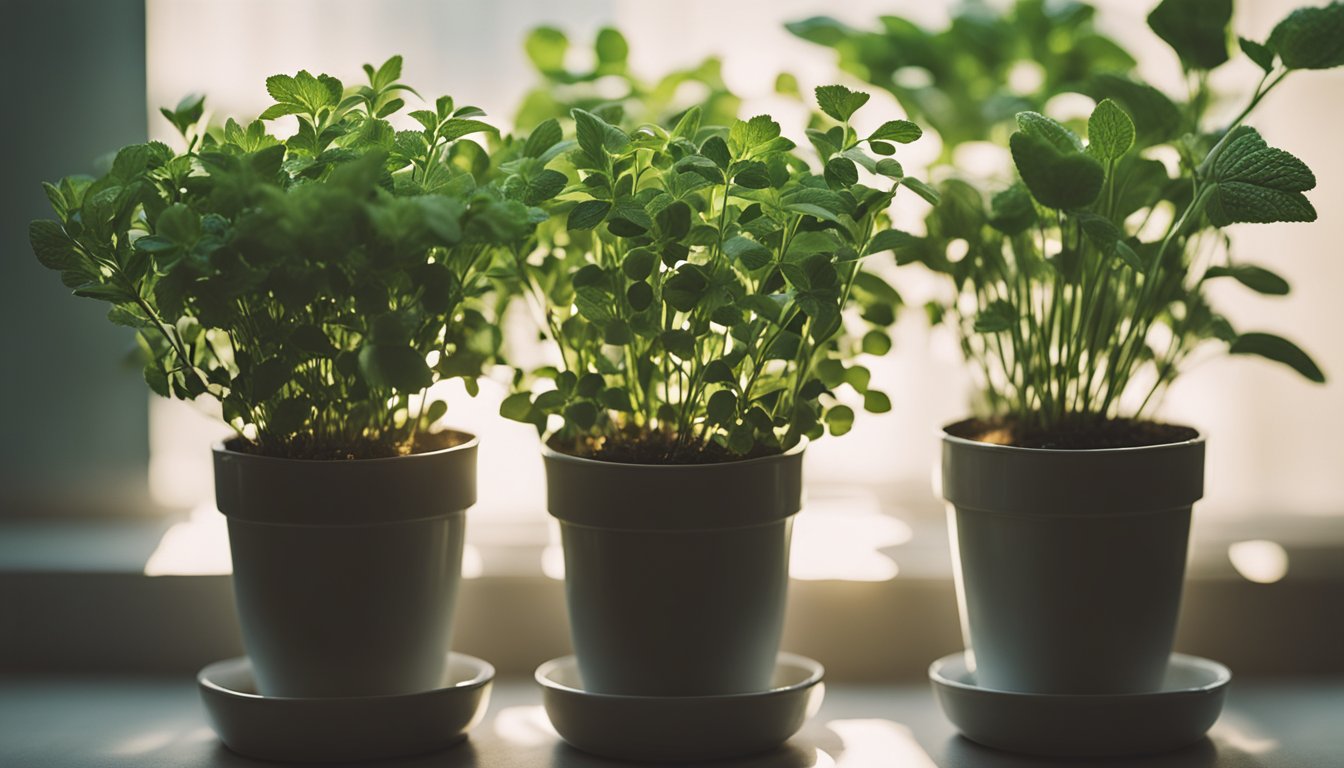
{"points": [[869, 742], [525, 726]]}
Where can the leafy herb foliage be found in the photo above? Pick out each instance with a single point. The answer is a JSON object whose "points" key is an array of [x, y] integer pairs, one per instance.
{"points": [[1083, 286], [313, 285], [968, 80], [698, 287]]}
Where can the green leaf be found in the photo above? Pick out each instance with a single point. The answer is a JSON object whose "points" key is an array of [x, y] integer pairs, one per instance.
{"points": [[546, 47], [899, 131], [394, 366], [1041, 127], [542, 138], [752, 254], [582, 414], [685, 288], [839, 102], [841, 172], [876, 402], [1110, 132], [998, 316], [588, 214], [517, 407], [876, 343], [1310, 38], [1258, 279], [839, 420], [611, 47], [53, 248], [457, 127], [722, 407], [544, 186], [269, 377], [1253, 182], [1195, 29], [638, 263], [929, 194], [639, 295], [1057, 179], [1280, 350], [1261, 54], [597, 137]]}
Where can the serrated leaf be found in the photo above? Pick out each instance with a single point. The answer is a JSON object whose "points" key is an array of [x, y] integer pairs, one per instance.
{"points": [[1253, 182], [1310, 38], [839, 102]]}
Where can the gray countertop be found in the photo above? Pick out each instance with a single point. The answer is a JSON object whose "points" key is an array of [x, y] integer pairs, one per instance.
{"points": [[107, 722]]}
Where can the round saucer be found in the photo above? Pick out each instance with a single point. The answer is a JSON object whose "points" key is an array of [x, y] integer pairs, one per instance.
{"points": [[1085, 725], [681, 728], [343, 729]]}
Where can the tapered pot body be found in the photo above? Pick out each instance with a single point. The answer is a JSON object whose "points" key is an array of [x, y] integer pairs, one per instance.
{"points": [[676, 576], [346, 572], [1069, 563]]}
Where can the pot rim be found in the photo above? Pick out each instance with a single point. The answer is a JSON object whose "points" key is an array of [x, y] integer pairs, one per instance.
{"points": [[815, 673], [472, 441], [547, 452], [1199, 438]]}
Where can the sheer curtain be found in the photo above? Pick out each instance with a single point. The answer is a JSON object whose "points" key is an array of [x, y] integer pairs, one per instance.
{"points": [[1273, 438]]}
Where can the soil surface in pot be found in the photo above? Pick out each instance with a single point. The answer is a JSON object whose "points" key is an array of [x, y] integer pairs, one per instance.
{"points": [[362, 449], [1075, 436], [639, 447]]}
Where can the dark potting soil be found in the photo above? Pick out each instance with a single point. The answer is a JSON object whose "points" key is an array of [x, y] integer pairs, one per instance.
{"points": [[652, 448], [363, 449], [1088, 434]]}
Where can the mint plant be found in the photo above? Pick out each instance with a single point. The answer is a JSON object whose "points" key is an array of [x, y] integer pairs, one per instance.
{"points": [[698, 289], [314, 285], [1082, 289]]}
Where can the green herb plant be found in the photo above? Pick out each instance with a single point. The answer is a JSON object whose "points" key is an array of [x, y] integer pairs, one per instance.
{"points": [[968, 80], [1081, 289], [698, 290], [314, 285]]}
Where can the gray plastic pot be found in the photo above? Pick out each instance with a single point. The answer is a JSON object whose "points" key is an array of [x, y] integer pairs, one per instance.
{"points": [[676, 576], [1069, 563], [346, 572]]}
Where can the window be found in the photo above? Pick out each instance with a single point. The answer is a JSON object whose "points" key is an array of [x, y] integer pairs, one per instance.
{"points": [[1273, 446]]}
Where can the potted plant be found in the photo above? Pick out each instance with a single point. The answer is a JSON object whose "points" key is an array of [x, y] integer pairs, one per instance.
{"points": [[1080, 295], [314, 286], [696, 296]]}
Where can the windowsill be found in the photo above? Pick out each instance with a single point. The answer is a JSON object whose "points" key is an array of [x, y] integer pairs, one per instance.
{"points": [[87, 722], [872, 596]]}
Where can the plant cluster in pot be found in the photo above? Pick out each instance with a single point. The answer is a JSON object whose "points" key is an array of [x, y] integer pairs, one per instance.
{"points": [[315, 287], [695, 291], [1081, 296]]}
